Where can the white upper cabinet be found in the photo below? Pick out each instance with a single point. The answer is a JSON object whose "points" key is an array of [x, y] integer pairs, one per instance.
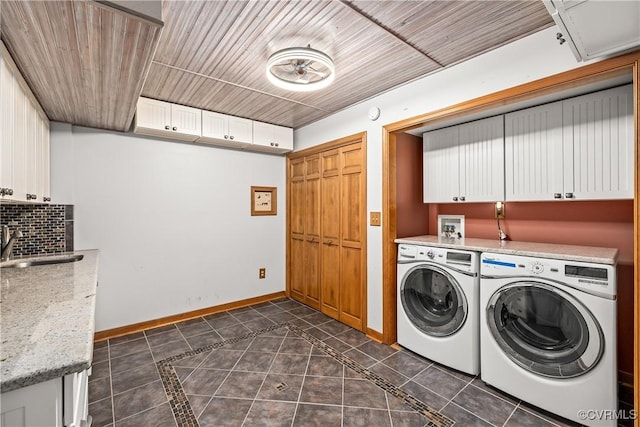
{"points": [[533, 153], [224, 130], [441, 165], [271, 138], [576, 149], [464, 163], [24, 138], [598, 145], [481, 146], [159, 118]]}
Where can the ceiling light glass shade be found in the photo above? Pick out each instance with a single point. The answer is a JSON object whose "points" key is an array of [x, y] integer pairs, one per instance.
{"points": [[300, 69]]}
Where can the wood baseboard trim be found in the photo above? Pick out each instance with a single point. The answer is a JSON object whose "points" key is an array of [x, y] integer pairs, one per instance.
{"points": [[374, 335], [149, 324]]}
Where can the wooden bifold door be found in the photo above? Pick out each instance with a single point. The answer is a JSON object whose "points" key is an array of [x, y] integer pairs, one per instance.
{"points": [[326, 252]]}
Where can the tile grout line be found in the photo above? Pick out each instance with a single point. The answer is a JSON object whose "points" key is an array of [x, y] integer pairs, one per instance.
{"points": [[266, 374], [304, 377], [511, 415]]}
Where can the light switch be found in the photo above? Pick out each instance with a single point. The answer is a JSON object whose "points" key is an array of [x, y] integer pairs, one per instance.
{"points": [[374, 219]]}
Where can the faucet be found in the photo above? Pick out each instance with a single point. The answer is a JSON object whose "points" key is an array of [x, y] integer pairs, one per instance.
{"points": [[8, 240]]}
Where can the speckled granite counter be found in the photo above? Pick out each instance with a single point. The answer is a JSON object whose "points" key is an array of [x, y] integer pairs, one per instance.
{"points": [[47, 320], [540, 250]]}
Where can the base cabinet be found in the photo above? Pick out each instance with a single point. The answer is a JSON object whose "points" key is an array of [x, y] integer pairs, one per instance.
{"points": [[60, 402], [35, 405]]}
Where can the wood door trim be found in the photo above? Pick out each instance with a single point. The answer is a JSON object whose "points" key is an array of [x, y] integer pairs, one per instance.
{"points": [[331, 145], [358, 138], [636, 243], [598, 71]]}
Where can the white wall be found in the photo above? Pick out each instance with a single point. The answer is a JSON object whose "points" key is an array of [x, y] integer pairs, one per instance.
{"points": [[531, 58], [171, 220]]}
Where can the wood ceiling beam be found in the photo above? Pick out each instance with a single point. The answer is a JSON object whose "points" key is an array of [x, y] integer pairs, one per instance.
{"points": [[389, 31]]}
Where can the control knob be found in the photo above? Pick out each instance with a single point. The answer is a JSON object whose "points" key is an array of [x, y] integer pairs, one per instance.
{"points": [[537, 268], [430, 254]]}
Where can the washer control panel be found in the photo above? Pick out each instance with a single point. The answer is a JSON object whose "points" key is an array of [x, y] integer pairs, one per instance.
{"points": [[600, 278]]}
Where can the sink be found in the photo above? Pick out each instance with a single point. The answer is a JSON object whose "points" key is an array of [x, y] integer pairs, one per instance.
{"points": [[45, 260]]}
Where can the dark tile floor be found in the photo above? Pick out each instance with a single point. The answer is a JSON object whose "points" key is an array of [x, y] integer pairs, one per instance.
{"points": [[285, 376]]}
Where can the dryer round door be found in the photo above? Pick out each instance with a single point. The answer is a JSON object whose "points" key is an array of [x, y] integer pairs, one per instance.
{"points": [[433, 300], [545, 330]]}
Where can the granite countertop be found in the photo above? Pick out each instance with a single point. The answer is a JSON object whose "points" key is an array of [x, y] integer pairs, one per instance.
{"points": [[47, 320], [541, 250]]}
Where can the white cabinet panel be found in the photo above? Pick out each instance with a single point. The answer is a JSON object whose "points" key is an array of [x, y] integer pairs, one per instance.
{"points": [[76, 399], [159, 118], [224, 130], [441, 165], [186, 122], [7, 120], [43, 161], [533, 153], [23, 135], [271, 138], [35, 405], [598, 145], [464, 163], [481, 148]]}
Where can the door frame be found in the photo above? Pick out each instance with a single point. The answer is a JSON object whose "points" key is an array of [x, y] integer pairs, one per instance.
{"points": [[599, 71], [318, 149]]}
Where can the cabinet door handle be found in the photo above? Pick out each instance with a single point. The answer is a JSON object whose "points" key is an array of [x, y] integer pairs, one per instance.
{"points": [[9, 191], [455, 198], [31, 196], [272, 144], [226, 137], [175, 128], [231, 137], [557, 195], [277, 145], [167, 127], [329, 243], [462, 198], [46, 199], [568, 196]]}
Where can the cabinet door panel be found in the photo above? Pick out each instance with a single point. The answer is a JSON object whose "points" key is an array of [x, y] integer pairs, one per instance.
{"points": [[481, 148], [312, 273], [351, 287], [7, 122], [186, 122], [241, 130], [598, 143], [533, 153], [215, 125], [153, 114], [440, 165], [330, 208], [297, 266], [20, 145], [330, 303]]}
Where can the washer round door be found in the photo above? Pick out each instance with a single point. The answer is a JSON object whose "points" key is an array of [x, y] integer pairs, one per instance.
{"points": [[545, 330], [433, 300]]}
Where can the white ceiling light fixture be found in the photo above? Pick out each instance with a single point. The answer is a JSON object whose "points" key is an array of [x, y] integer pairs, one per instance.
{"points": [[300, 69]]}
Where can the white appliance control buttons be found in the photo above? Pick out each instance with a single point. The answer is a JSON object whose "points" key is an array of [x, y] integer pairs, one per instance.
{"points": [[537, 268]]}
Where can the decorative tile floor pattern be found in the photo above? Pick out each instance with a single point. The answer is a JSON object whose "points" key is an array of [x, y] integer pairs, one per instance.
{"points": [[244, 367]]}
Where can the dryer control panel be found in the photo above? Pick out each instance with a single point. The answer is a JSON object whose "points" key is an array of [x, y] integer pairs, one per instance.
{"points": [[591, 277], [462, 260]]}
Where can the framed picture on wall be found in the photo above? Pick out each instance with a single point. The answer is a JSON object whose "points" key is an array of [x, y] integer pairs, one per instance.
{"points": [[264, 201]]}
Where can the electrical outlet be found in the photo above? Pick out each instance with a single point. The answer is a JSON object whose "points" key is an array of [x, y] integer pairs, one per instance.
{"points": [[499, 210], [262, 273], [374, 218]]}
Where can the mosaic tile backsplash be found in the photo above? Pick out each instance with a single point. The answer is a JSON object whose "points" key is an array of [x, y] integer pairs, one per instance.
{"points": [[46, 229]]}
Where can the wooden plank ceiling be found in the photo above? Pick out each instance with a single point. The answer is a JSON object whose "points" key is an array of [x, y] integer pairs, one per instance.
{"points": [[212, 54]]}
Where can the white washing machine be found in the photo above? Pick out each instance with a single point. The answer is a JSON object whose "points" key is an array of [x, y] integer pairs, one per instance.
{"points": [[438, 305], [548, 334]]}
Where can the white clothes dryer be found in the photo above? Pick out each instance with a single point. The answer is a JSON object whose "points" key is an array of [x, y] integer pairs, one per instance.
{"points": [[548, 334], [438, 305]]}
